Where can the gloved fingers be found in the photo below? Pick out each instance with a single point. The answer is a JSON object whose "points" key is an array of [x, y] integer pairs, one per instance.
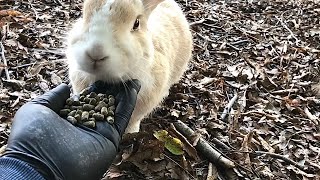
{"points": [[108, 131], [55, 98], [126, 102]]}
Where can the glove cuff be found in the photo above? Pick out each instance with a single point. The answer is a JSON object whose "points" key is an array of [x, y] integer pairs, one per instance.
{"points": [[11, 168]]}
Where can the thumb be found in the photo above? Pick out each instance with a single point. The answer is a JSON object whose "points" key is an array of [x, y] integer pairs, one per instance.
{"points": [[55, 98]]}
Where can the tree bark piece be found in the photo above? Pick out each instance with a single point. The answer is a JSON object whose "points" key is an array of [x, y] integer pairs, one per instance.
{"points": [[204, 147]]}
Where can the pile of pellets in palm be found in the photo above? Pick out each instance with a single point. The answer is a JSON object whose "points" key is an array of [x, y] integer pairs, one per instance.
{"points": [[89, 108]]}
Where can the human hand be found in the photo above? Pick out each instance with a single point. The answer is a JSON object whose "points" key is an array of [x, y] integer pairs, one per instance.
{"points": [[59, 150]]}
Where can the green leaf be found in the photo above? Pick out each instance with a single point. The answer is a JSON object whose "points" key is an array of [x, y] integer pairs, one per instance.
{"points": [[174, 145]]}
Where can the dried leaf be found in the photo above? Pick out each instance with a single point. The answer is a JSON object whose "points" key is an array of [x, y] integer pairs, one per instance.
{"points": [[174, 145], [55, 79]]}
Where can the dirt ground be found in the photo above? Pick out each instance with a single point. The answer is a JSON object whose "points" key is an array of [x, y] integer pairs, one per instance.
{"points": [[250, 90]]}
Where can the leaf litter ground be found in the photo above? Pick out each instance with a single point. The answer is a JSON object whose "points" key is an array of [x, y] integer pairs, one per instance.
{"points": [[250, 90]]}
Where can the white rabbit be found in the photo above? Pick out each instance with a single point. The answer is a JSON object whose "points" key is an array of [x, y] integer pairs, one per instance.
{"points": [[119, 40]]}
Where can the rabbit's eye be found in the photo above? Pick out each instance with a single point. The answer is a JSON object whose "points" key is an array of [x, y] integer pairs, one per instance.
{"points": [[136, 24]]}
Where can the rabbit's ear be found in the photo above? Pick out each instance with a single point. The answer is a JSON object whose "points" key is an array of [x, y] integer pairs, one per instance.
{"points": [[150, 5]]}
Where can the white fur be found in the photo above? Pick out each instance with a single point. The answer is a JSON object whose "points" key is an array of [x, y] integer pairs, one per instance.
{"points": [[132, 56]]}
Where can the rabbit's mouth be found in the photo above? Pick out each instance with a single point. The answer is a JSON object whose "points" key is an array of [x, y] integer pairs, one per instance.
{"points": [[104, 72]]}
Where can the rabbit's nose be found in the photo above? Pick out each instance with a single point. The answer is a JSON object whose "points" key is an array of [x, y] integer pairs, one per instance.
{"points": [[96, 53]]}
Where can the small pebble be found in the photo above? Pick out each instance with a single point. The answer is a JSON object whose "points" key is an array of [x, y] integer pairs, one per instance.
{"points": [[110, 119], [76, 103], [100, 105], [104, 111], [93, 101], [111, 101], [110, 113], [72, 120], [86, 100], [81, 98], [106, 100], [87, 107], [77, 117], [100, 96], [72, 113], [91, 112], [79, 111], [90, 124], [69, 101], [85, 116], [111, 108], [64, 112], [75, 108], [98, 116], [92, 95]]}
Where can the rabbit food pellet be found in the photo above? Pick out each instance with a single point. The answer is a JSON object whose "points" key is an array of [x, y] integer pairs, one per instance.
{"points": [[89, 108]]}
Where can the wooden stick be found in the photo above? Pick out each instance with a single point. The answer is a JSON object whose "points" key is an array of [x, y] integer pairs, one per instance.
{"points": [[311, 116], [4, 61], [197, 22], [279, 156], [285, 91], [288, 29], [239, 42], [228, 107], [204, 147], [34, 10]]}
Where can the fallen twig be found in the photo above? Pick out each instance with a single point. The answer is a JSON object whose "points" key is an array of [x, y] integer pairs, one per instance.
{"points": [[279, 156], [311, 116], [220, 144], [313, 164], [204, 147], [228, 107], [197, 22], [285, 91], [44, 63], [239, 42], [34, 10], [52, 51], [288, 29], [4, 61], [233, 47], [259, 114]]}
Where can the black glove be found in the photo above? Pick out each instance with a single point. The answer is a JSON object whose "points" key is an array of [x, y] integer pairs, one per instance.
{"points": [[59, 150]]}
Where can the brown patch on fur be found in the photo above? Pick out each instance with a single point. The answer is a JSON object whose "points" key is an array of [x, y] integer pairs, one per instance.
{"points": [[123, 12], [90, 7]]}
